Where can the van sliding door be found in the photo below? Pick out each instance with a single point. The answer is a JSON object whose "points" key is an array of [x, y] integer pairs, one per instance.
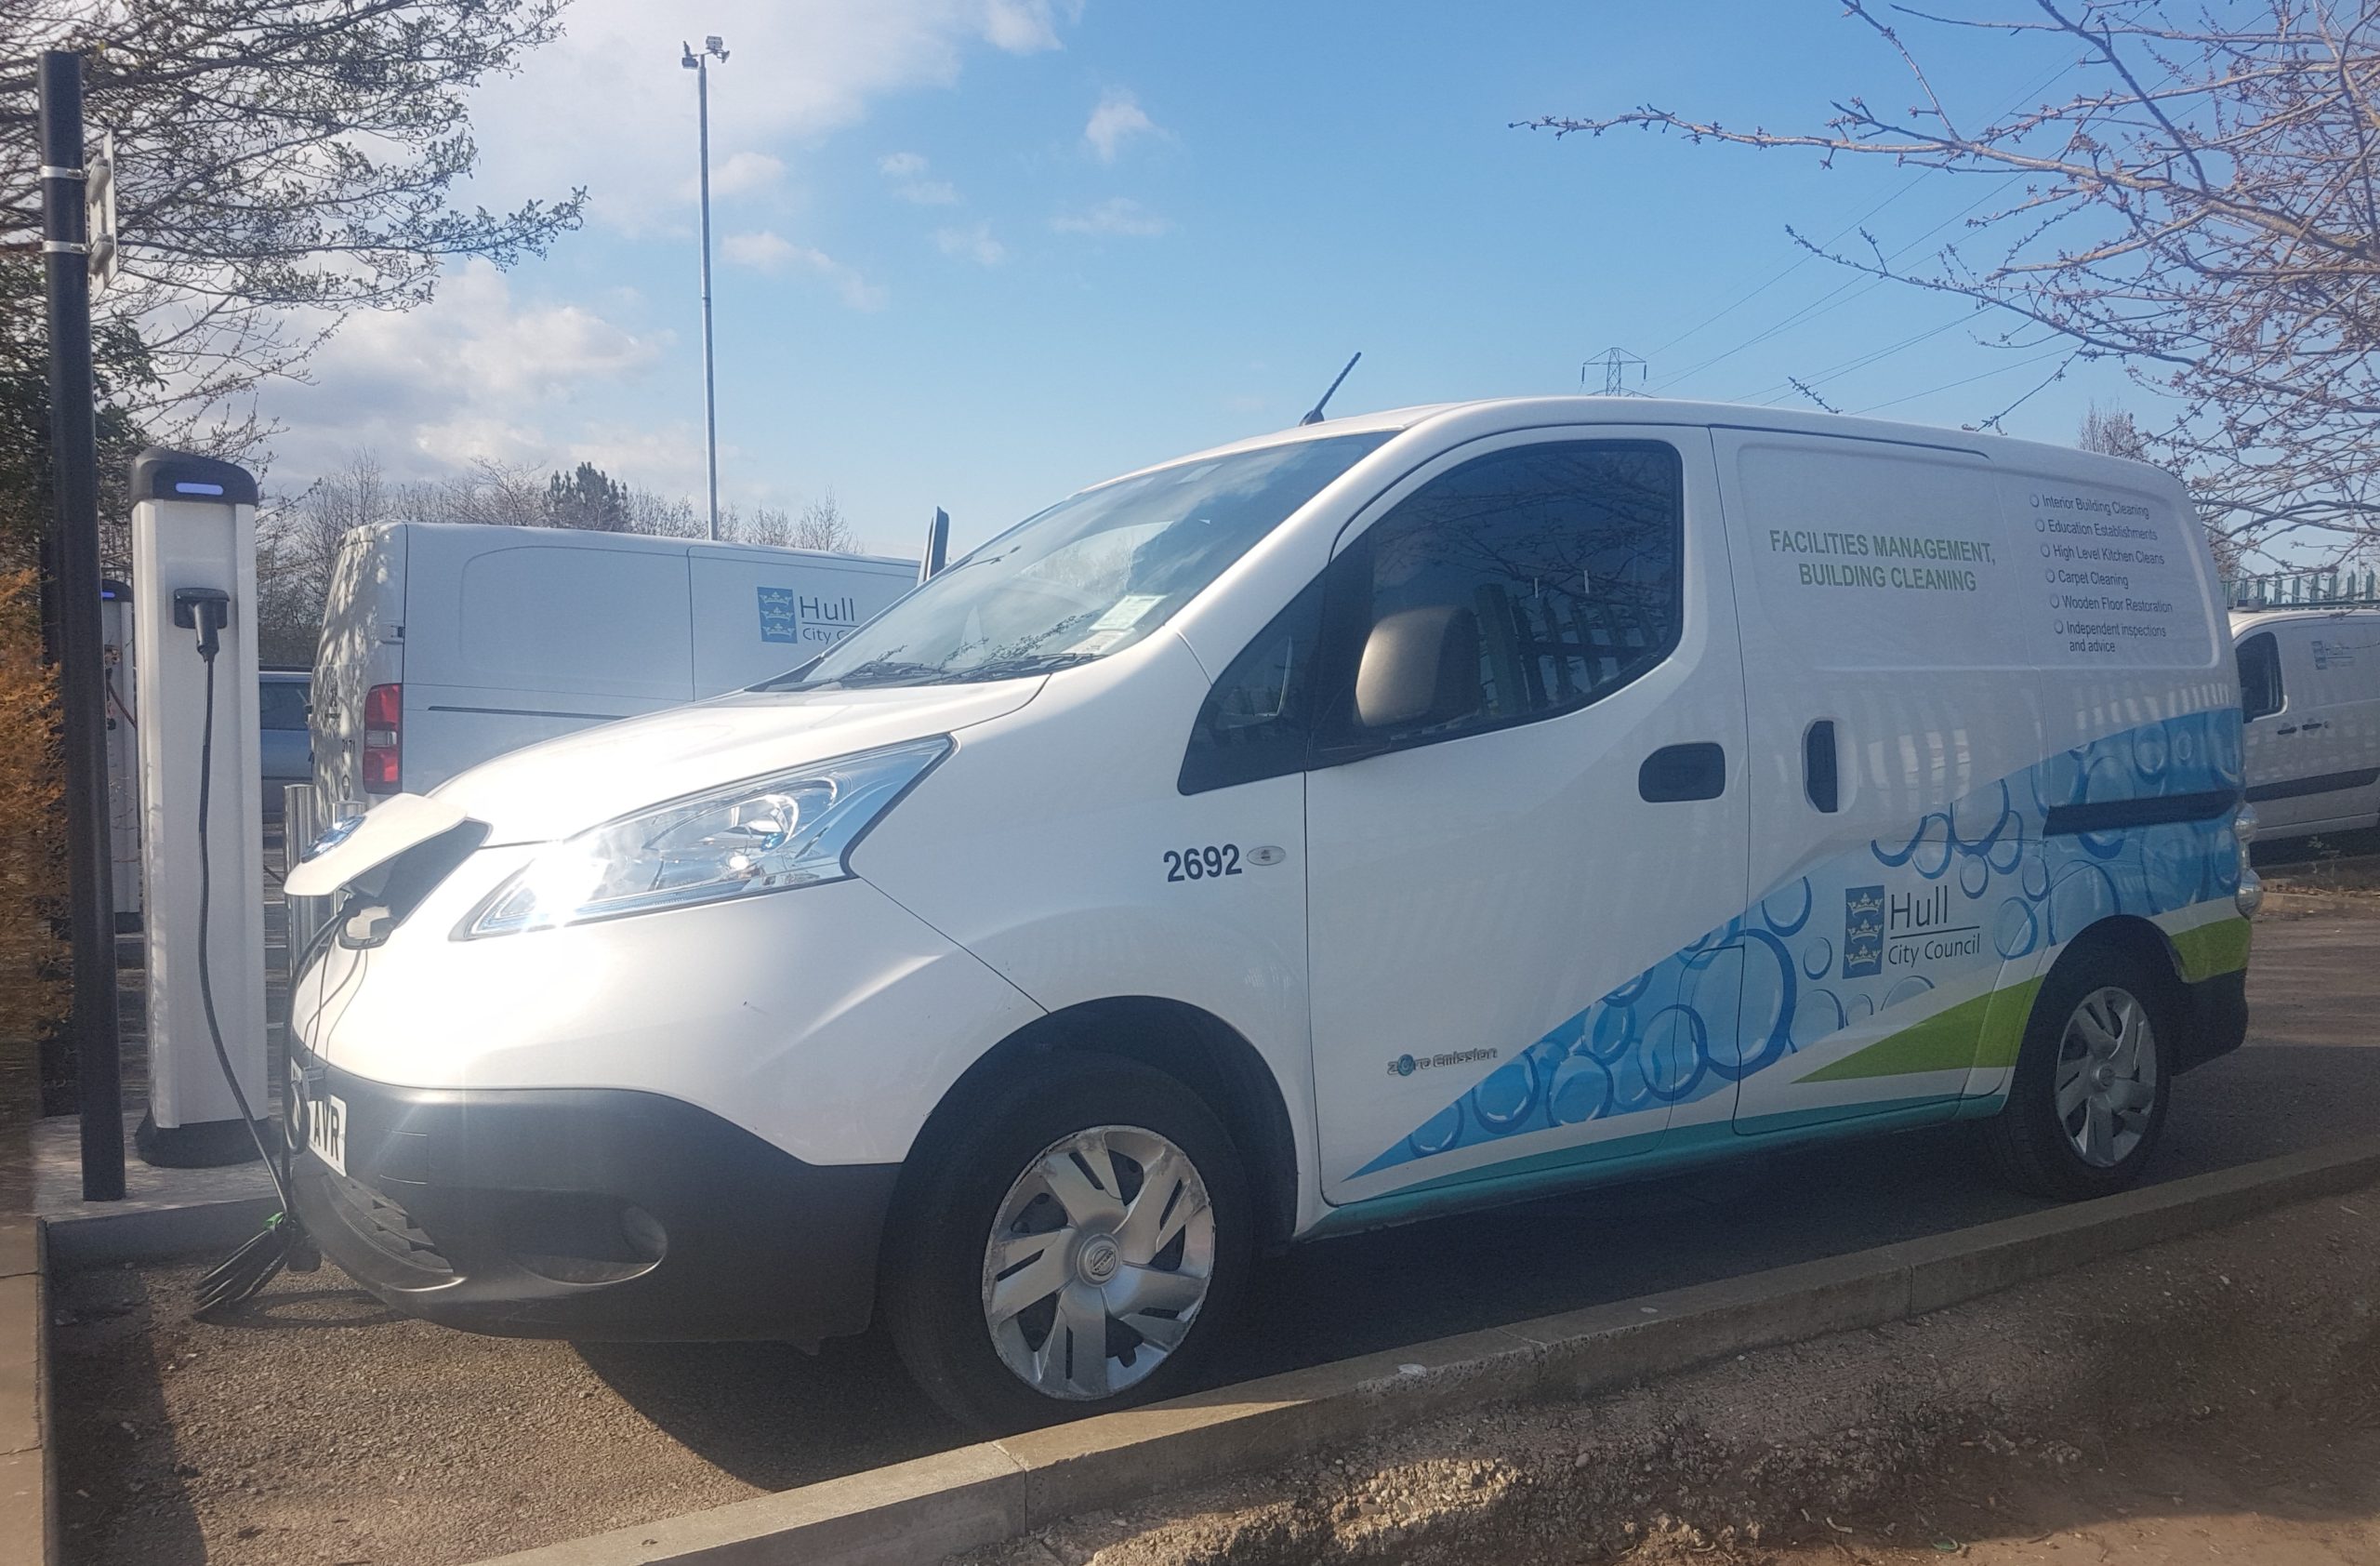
{"points": [[1892, 701]]}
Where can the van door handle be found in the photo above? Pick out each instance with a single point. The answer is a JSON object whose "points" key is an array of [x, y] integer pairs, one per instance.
{"points": [[2317, 724], [1819, 770], [1673, 773], [2286, 728]]}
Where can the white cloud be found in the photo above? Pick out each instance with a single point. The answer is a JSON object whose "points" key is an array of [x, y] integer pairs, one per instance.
{"points": [[473, 375], [1117, 119], [768, 251], [607, 105], [1117, 216], [907, 170], [1025, 26], [975, 243], [743, 172]]}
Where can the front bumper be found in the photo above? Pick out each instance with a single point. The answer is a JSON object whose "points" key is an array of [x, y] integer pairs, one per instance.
{"points": [[597, 1213]]}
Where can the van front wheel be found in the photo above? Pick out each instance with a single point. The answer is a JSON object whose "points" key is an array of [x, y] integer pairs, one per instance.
{"points": [[1072, 1250], [2093, 1083]]}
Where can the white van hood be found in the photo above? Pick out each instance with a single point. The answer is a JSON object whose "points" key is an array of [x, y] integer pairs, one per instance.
{"points": [[552, 790]]}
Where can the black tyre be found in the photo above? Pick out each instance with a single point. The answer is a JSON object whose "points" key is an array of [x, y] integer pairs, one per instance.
{"points": [[2094, 1079], [1073, 1248]]}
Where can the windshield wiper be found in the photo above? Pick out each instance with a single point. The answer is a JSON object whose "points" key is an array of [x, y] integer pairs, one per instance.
{"points": [[1020, 665], [875, 671]]}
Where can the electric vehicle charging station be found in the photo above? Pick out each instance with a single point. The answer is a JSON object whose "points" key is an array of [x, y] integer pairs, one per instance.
{"points": [[123, 756], [194, 548]]}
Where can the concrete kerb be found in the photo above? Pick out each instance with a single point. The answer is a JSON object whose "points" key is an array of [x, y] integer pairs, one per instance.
{"points": [[981, 1495], [28, 1462], [155, 1234]]}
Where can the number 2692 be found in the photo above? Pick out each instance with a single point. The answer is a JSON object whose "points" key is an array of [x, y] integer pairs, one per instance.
{"points": [[1198, 864]]}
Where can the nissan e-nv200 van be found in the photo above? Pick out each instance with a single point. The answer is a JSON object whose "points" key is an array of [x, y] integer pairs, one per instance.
{"points": [[2309, 690], [1376, 821]]}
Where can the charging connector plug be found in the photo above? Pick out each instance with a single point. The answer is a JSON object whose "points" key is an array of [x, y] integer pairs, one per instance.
{"points": [[207, 611]]}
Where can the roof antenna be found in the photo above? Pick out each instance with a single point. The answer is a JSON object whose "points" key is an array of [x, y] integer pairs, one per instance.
{"points": [[1314, 413]]}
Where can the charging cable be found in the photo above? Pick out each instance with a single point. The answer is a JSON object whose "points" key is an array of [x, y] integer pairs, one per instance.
{"points": [[207, 611]]}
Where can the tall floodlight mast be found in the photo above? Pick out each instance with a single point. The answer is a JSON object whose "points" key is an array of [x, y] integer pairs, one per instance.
{"points": [[700, 65]]}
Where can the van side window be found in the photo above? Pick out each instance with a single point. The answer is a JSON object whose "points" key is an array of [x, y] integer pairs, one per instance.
{"points": [[281, 704], [1256, 721], [2260, 693], [1564, 559]]}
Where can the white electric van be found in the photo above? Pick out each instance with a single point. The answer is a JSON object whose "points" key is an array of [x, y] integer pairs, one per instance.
{"points": [[1379, 820], [444, 644], [2310, 689]]}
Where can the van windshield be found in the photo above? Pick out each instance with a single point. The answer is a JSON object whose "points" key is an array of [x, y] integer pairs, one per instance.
{"points": [[1090, 576]]}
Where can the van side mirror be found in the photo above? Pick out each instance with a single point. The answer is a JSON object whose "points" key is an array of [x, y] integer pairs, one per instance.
{"points": [[1419, 667]]}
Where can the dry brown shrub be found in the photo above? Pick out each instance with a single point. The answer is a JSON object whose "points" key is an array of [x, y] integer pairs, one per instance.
{"points": [[32, 829]]}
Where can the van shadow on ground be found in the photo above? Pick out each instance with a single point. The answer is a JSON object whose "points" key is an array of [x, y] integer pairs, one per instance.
{"points": [[760, 1412], [774, 1416]]}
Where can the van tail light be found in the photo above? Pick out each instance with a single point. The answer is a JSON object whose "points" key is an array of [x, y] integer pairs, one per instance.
{"points": [[383, 738]]}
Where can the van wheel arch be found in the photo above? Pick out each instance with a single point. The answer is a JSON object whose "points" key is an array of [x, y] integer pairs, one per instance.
{"points": [[2132, 937], [1195, 1047]]}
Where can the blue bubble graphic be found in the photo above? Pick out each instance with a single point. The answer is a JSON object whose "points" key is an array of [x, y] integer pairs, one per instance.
{"points": [[2151, 751], [1581, 1090], [2082, 894], [1676, 1053], [1613, 1033], [1787, 909], [1978, 821], [2007, 851], [1629, 990], [1817, 956], [1765, 1022], [2015, 929], [1974, 877], [1438, 1132], [1907, 989], [1819, 1015], [1505, 1099], [2036, 879]]}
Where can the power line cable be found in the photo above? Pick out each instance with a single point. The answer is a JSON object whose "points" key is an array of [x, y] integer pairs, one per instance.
{"points": [[1837, 238], [1965, 380], [1775, 389]]}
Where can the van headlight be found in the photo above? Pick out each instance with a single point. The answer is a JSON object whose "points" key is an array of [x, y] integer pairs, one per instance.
{"points": [[763, 834]]}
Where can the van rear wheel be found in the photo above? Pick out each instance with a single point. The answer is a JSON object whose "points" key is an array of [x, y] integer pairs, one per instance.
{"points": [[1072, 1249], [2093, 1081]]}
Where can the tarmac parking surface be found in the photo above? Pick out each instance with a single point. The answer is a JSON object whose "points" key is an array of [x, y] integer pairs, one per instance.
{"points": [[318, 1427]]}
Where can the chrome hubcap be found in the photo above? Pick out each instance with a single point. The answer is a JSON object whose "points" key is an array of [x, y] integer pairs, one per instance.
{"points": [[1099, 1259], [2107, 1076]]}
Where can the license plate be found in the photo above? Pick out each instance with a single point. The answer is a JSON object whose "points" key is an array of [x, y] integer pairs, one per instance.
{"points": [[324, 1116]]}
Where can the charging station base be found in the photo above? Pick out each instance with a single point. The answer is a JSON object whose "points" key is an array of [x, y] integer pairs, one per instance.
{"points": [[208, 1144]]}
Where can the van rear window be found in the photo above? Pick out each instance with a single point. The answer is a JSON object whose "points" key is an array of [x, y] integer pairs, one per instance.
{"points": [[2260, 693], [281, 704]]}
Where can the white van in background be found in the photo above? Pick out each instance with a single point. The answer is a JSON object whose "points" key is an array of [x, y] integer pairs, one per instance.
{"points": [[444, 644], [2310, 689], [1369, 821]]}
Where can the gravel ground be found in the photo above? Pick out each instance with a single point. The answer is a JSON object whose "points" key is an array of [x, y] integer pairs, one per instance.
{"points": [[318, 1429], [323, 1429], [2216, 1399]]}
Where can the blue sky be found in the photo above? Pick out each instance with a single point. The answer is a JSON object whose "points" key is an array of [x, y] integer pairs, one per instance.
{"points": [[978, 253]]}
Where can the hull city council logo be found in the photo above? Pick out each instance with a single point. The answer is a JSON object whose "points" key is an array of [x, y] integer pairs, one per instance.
{"points": [[1863, 931]]}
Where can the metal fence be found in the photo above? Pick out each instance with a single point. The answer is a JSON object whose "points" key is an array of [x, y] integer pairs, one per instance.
{"points": [[2310, 588]]}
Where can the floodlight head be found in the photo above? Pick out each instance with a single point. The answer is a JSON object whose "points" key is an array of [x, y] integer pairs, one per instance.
{"points": [[713, 45], [687, 59]]}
